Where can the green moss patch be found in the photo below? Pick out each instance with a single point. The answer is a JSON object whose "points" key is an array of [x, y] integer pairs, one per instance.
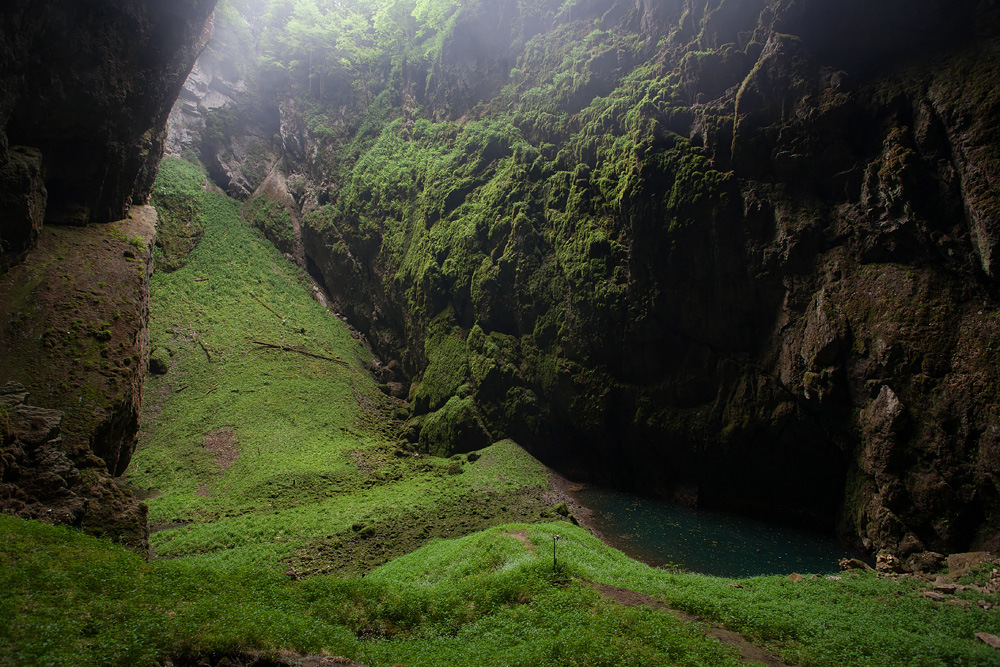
{"points": [[177, 198], [454, 429], [447, 369], [272, 219]]}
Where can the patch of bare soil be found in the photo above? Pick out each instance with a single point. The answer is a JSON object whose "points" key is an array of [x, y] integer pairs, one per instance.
{"points": [[747, 649], [157, 527], [522, 537], [368, 463], [222, 442]]}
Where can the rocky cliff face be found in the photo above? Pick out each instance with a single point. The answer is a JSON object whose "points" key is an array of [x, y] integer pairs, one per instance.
{"points": [[90, 86], [74, 335], [226, 114], [740, 254], [85, 89]]}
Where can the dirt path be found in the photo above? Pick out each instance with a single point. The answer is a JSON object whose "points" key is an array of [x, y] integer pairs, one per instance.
{"points": [[748, 650], [522, 537]]}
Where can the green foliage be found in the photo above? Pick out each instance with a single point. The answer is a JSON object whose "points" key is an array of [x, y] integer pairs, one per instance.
{"points": [[323, 48], [271, 218], [447, 369], [231, 36], [488, 215], [267, 438], [455, 428]]}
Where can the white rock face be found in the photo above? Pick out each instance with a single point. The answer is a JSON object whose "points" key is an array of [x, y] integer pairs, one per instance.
{"points": [[212, 84]]}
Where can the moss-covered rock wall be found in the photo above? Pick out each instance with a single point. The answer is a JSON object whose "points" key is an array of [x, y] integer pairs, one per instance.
{"points": [[737, 253]]}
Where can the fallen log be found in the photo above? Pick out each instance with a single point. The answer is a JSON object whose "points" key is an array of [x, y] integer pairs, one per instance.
{"points": [[299, 350]]}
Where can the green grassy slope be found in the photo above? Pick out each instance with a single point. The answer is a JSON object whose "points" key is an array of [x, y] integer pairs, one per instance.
{"points": [[268, 442]]}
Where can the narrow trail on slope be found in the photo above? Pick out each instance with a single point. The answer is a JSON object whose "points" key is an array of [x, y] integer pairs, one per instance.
{"points": [[748, 649]]}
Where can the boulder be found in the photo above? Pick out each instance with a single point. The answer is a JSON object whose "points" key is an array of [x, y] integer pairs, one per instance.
{"points": [[854, 564], [39, 481], [454, 429], [889, 563], [959, 565], [159, 361], [76, 334], [926, 562]]}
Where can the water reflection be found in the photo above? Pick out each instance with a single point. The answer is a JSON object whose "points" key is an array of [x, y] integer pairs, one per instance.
{"points": [[715, 543]]}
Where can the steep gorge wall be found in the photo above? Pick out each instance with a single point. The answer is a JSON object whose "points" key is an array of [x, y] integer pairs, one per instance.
{"points": [[85, 89], [737, 253]]}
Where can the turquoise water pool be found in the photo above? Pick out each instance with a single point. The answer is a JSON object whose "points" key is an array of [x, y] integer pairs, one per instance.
{"points": [[717, 543]]}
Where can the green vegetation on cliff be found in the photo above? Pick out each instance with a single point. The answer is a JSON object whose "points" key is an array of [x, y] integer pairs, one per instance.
{"points": [[180, 224], [514, 218], [640, 219]]}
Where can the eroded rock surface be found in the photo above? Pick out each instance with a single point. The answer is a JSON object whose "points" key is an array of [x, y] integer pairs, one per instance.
{"points": [[39, 481], [222, 115], [74, 333]]}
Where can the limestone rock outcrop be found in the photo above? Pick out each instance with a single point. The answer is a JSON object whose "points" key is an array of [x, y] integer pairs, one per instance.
{"points": [[74, 320], [39, 481], [223, 114]]}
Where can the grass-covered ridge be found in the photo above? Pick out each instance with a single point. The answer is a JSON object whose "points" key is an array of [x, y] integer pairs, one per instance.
{"points": [[491, 598]]}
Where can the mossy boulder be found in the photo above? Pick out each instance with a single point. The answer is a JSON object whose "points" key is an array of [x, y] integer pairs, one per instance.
{"points": [[447, 370], [454, 429], [273, 219], [181, 222], [159, 361], [23, 199]]}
